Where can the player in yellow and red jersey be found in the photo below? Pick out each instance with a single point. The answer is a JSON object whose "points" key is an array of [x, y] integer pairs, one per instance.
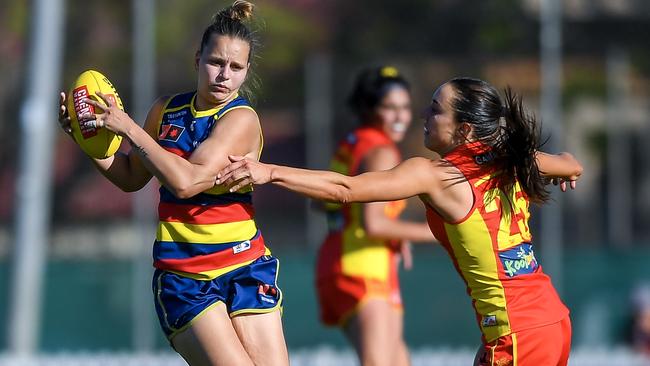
{"points": [[215, 285], [477, 196], [357, 266]]}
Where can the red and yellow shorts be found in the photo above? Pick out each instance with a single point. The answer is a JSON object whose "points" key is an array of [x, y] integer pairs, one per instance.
{"points": [[340, 296], [543, 346]]}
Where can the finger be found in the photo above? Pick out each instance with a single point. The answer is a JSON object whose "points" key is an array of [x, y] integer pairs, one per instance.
{"points": [[572, 184], [105, 98], [240, 185], [230, 178], [226, 172], [63, 113], [563, 185], [95, 103], [87, 125], [87, 117]]}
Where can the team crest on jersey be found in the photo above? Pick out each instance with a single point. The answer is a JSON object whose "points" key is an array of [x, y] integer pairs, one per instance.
{"points": [[171, 132], [518, 260]]}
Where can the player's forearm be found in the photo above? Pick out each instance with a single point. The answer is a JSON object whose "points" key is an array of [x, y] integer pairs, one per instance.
{"points": [[180, 176], [563, 165], [317, 184], [117, 170]]}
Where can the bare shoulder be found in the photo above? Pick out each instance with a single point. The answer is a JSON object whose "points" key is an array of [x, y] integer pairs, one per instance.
{"points": [[154, 116], [382, 157], [421, 168], [244, 117]]}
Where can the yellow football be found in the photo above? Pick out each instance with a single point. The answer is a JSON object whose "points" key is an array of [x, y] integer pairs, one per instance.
{"points": [[97, 142]]}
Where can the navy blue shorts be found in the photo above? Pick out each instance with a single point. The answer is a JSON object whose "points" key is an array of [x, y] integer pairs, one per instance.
{"points": [[248, 289]]}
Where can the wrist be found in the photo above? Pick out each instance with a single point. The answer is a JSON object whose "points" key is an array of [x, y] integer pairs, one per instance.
{"points": [[273, 173]]}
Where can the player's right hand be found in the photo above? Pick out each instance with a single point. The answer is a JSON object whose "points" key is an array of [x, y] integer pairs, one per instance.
{"points": [[242, 172], [64, 117]]}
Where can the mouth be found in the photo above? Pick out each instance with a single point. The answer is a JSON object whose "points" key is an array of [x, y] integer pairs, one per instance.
{"points": [[398, 127], [219, 88]]}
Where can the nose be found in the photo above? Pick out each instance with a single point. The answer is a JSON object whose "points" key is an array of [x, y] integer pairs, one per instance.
{"points": [[224, 72]]}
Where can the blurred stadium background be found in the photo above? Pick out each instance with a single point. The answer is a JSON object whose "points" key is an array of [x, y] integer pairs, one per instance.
{"points": [[75, 251]]}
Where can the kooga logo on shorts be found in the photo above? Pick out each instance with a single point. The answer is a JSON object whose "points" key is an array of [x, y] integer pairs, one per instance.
{"points": [[518, 260]]}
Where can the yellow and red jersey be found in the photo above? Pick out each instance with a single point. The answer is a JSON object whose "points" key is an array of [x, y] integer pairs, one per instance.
{"points": [[214, 232], [492, 250], [348, 250]]}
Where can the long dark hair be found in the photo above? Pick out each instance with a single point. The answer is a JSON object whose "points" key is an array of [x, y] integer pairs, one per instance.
{"points": [[506, 126], [371, 86], [231, 22]]}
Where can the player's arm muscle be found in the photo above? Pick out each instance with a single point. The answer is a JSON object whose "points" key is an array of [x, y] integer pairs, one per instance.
{"points": [[237, 132]]}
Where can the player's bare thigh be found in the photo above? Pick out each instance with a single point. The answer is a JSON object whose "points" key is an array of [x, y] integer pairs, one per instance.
{"points": [[374, 334], [211, 340], [262, 337]]}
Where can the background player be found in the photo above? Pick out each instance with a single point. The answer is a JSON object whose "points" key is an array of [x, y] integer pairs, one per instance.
{"points": [[357, 266]]}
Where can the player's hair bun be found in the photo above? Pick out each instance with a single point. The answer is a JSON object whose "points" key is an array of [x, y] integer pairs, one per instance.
{"points": [[239, 11]]}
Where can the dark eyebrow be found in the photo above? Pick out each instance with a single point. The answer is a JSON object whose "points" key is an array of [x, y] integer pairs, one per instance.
{"points": [[237, 64]]}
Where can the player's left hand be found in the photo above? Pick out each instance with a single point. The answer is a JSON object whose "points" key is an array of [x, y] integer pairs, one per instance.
{"points": [[113, 119]]}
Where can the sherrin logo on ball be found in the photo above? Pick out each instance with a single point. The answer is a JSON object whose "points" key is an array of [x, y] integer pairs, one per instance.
{"points": [[97, 142]]}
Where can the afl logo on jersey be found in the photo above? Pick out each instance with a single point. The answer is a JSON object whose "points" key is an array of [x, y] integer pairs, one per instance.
{"points": [[171, 132]]}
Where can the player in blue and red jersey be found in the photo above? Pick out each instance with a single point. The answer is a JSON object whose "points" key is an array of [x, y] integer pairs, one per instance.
{"points": [[477, 196], [215, 284]]}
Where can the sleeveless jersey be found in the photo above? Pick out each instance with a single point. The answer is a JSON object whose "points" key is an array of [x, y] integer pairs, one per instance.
{"points": [[492, 251], [348, 250], [213, 232]]}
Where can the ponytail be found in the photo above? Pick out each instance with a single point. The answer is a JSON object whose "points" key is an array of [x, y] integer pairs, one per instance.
{"points": [[239, 11], [230, 22], [508, 128], [518, 147]]}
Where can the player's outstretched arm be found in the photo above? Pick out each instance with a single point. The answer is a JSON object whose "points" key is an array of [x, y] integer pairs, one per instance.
{"points": [[376, 222], [410, 178]]}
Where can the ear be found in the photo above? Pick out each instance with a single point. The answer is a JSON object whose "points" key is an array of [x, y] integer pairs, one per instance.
{"points": [[197, 57], [465, 131]]}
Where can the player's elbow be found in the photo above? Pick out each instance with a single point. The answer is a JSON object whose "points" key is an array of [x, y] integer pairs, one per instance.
{"points": [[183, 192], [374, 228], [182, 189]]}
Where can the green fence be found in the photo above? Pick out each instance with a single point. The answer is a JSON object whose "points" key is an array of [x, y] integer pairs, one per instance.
{"points": [[87, 304]]}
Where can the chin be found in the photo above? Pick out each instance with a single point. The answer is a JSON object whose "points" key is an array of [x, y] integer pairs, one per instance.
{"points": [[397, 136]]}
